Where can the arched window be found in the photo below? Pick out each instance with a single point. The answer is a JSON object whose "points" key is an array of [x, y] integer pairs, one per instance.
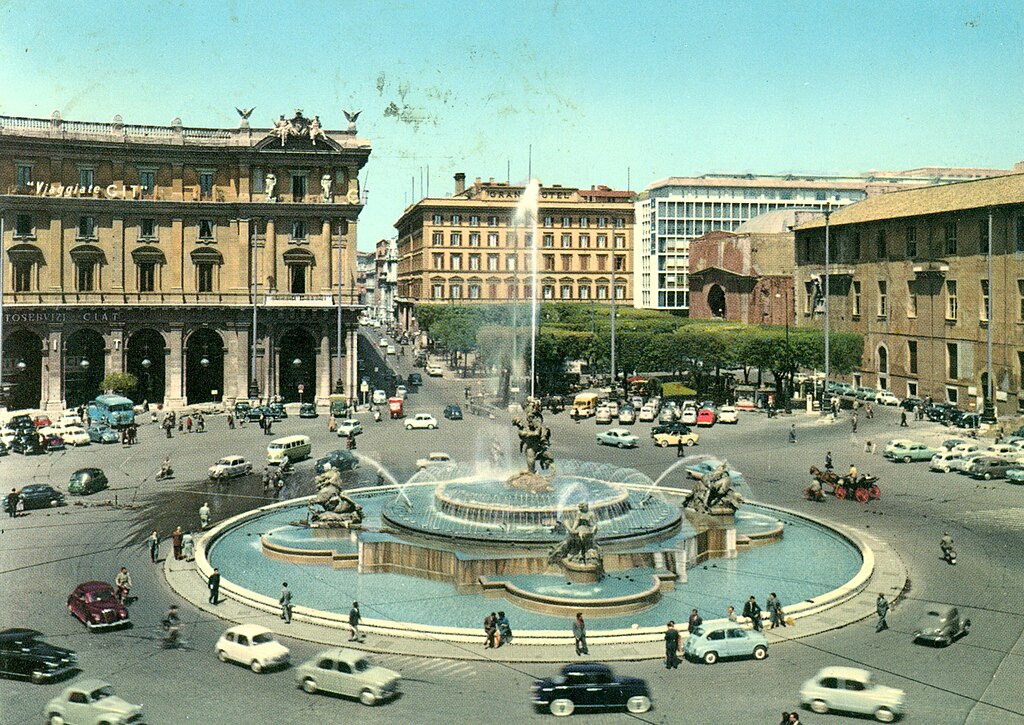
{"points": [[883, 359]]}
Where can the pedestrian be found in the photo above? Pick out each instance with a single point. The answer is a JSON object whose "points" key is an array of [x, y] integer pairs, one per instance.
{"points": [[903, 419], [680, 447], [270, 423], [266, 479], [579, 633], [332, 424], [176, 537], [200, 423], [882, 608], [181, 425], [231, 422], [776, 615], [152, 416], [154, 547], [794, 718], [867, 446], [828, 461], [204, 514], [853, 422], [213, 583], [869, 412], [792, 432], [353, 622], [490, 630], [731, 614], [785, 718], [504, 629], [918, 412], [12, 503], [285, 600], [188, 424], [694, 621], [168, 426], [752, 611], [671, 646], [187, 546], [123, 582]]}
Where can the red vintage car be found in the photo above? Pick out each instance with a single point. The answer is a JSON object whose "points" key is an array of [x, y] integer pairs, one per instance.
{"points": [[706, 417], [96, 605]]}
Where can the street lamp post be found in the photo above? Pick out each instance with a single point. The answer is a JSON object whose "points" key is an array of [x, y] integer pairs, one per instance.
{"points": [[614, 386], [824, 387], [988, 413], [254, 386], [339, 384]]}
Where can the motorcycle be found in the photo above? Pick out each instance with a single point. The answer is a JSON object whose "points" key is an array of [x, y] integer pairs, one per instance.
{"points": [[165, 473], [949, 554]]}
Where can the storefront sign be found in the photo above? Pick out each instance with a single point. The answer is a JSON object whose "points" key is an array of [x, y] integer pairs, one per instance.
{"points": [[63, 317], [112, 191]]}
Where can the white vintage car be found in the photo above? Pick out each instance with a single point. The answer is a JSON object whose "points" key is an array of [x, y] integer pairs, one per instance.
{"points": [[72, 435], [230, 467], [92, 701], [433, 459], [421, 420], [253, 646], [851, 689], [349, 426], [348, 673]]}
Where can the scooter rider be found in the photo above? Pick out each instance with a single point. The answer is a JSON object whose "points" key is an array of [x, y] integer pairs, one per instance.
{"points": [[171, 624], [165, 468], [946, 544], [123, 580]]}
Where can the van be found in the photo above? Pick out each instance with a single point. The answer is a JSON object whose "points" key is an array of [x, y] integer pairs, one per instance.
{"points": [[291, 448], [114, 410], [584, 405]]}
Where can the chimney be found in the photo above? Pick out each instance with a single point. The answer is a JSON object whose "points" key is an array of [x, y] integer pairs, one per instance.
{"points": [[1019, 166], [460, 183]]}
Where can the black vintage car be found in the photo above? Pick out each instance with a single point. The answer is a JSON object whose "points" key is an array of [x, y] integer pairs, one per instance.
{"points": [[941, 412], [28, 444], [415, 380], [307, 410], [453, 412], [341, 459], [589, 687], [38, 496], [24, 656], [277, 410]]}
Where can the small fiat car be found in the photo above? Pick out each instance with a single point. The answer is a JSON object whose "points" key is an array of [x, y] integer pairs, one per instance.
{"points": [[941, 625], [421, 420], [230, 467], [349, 427], [713, 642], [588, 688], [87, 480], [253, 646], [95, 604], [851, 689], [347, 672], [92, 701]]}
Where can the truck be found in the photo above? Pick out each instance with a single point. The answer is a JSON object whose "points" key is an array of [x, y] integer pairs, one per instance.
{"points": [[114, 410]]}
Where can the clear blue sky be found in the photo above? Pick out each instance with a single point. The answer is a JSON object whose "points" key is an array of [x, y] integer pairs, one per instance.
{"points": [[668, 88]]}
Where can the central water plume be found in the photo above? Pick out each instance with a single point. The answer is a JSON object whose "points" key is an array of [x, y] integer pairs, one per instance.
{"points": [[525, 218]]}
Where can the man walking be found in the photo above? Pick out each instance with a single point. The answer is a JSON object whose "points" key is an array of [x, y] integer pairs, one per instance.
{"points": [[285, 600], [792, 432], [776, 615], [154, 547], [752, 611], [12, 503], [176, 538], [671, 646], [353, 622], [490, 630], [214, 585], [882, 608], [903, 419], [853, 422], [680, 447], [828, 461], [579, 632], [204, 514]]}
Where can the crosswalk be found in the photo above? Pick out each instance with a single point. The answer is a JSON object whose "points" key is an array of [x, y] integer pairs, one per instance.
{"points": [[1005, 518], [426, 668]]}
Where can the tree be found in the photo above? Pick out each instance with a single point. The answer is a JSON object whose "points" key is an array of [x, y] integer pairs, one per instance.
{"points": [[121, 383]]}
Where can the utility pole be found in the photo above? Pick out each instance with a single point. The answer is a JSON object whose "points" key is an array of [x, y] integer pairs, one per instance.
{"points": [[613, 322], [824, 389], [988, 413]]}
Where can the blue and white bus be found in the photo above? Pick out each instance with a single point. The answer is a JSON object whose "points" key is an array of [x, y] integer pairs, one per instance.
{"points": [[114, 410]]}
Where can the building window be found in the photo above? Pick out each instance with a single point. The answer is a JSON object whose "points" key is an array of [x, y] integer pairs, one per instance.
{"points": [[474, 239], [983, 236], [297, 278], [510, 262], [549, 240], [492, 291], [438, 260], [456, 219], [206, 229], [584, 222], [437, 239], [492, 239], [620, 292], [911, 237], [584, 292], [147, 276], [474, 291], [456, 239], [620, 223], [437, 291], [855, 310], [602, 262], [86, 273], [881, 248], [602, 222], [952, 361], [883, 299], [492, 221], [206, 184], [620, 263], [456, 290], [204, 277], [549, 221], [566, 262], [86, 227], [584, 261], [492, 262], [951, 300], [147, 228], [258, 180], [952, 394], [299, 230], [911, 389], [950, 234], [566, 292], [87, 177], [299, 184], [620, 241], [883, 359], [602, 292], [24, 175], [22, 276], [566, 222], [549, 262], [548, 291], [437, 219], [602, 241], [456, 262], [566, 241], [510, 291], [584, 241], [1020, 300], [985, 310], [23, 225], [147, 180], [474, 220], [474, 261], [912, 357], [911, 299]]}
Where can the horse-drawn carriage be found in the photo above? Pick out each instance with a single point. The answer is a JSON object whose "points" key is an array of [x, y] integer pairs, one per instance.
{"points": [[863, 488]]}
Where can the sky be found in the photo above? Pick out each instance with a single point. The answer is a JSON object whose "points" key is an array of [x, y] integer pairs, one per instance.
{"points": [[602, 92]]}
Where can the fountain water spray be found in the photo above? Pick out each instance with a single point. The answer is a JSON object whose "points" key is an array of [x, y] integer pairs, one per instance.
{"points": [[525, 217]]}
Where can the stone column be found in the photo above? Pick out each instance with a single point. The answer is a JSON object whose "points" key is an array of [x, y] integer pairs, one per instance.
{"points": [[352, 352], [236, 377], [323, 369], [174, 368], [171, 274], [269, 265], [51, 393], [115, 282], [328, 246]]}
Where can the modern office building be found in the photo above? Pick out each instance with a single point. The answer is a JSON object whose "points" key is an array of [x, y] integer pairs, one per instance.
{"points": [[926, 275], [466, 248], [672, 211], [140, 249]]}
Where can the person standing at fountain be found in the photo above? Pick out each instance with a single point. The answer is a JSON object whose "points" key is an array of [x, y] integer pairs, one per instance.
{"points": [[694, 621], [285, 600], [752, 611], [204, 515], [490, 630], [213, 583], [672, 645], [504, 629], [354, 617], [775, 613], [579, 632], [176, 538], [154, 547], [882, 608], [731, 614]]}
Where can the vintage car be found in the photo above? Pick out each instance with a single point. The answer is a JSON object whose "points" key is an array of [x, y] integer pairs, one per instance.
{"points": [[92, 701], [103, 433], [37, 496], [453, 412], [277, 411], [664, 440], [349, 427], [988, 467], [706, 417], [728, 414], [688, 415], [648, 413], [253, 646], [339, 459], [24, 656], [590, 687], [619, 437], [942, 625], [421, 420], [230, 467], [434, 370], [866, 394], [675, 428], [627, 415], [712, 642], [433, 459], [1015, 475], [87, 480], [348, 673], [308, 410], [603, 416], [907, 451], [28, 444], [96, 605], [886, 397], [851, 689], [72, 435]]}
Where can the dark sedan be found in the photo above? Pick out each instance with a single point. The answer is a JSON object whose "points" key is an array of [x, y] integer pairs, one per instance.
{"points": [[908, 404], [38, 496], [277, 410], [87, 480], [307, 410], [28, 445], [589, 687], [96, 605], [24, 656], [340, 459], [941, 412], [453, 412]]}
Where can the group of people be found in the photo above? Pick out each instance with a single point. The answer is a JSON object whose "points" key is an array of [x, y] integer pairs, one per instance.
{"points": [[130, 435], [497, 630], [751, 610], [273, 478], [182, 544]]}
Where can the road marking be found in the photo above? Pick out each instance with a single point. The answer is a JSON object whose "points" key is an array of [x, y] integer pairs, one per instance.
{"points": [[409, 665]]}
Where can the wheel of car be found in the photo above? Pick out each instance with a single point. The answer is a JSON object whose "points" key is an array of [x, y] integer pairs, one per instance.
{"points": [[431, 426], [710, 658], [55, 719], [662, 443], [561, 707], [408, 427], [884, 714], [621, 445], [256, 667], [691, 442], [638, 704], [760, 652], [309, 685], [906, 459], [367, 697], [819, 706], [945, 469], [222, 655], [988, 476]]}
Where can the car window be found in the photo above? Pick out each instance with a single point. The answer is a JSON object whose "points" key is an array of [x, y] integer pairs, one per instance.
{"points": [[230, 636], [362, 665], [78, 697], [325, 664], [100, 694], [737, 634], [855, 685], [243, 640], [344, 668], [829, 683], [96, 597], [720, 634], [263, 638]]}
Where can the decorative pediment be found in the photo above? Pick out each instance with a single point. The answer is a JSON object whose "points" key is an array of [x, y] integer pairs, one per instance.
{"points": [[297, 134]]}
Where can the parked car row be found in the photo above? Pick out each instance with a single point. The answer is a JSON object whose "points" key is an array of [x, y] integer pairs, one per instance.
{"points": [[969, 457]]}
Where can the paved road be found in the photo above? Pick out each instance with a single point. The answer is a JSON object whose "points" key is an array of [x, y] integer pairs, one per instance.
{"points": [[44, 554]]}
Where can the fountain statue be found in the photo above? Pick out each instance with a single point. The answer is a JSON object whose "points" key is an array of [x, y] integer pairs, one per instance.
{"points": [[331, 509], [535, 440], [713, 493], [578, 552]]}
